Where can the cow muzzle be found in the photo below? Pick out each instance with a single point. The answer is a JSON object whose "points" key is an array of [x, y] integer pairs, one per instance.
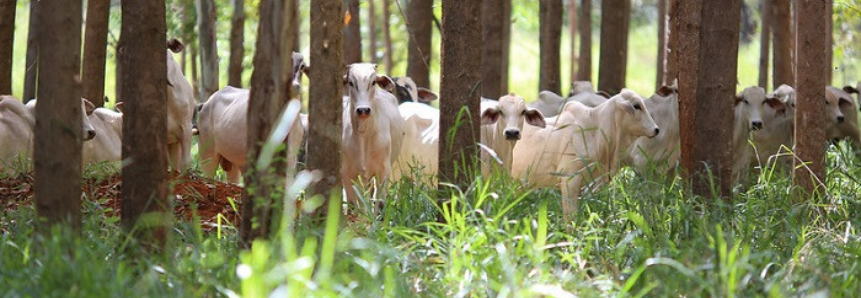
{"points": [[512, 135], [840, 119], [89, 134], [363, 112], [756, 125]]}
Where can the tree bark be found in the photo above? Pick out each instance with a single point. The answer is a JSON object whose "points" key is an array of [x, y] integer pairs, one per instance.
{"points": [[58, 117], [663, 31], [324, 103], [95, 51], [237, 44], [208, 48], [572, 31], [764, 43], [615, 15], [672, 41], [461, 74], [550, 33], [7, 34], [419, 24], [491, 63], [32, 64], [145, 188], [118, 71], [352, 33], [297, 30], [387, 36], [781, 27], [810, 114], [506, 44], [372, 32], [584, 62], [195, 79], [829, 41], [708, 58]]}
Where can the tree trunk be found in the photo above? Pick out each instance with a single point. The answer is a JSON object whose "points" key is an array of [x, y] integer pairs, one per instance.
{"points": [[145, 185], [615, 15], [208, 48], [829, 41], [297, 30], [419, 24], [572, 31], [372, 32], [506, 44], [663, 31], [810, 113], [195, 81], [461, 73], [95, 50], [550, 34], [7, 33], [708, 58], [118, 71], [387, 36], [352, 33], [325, 104], [764, 43], [32, 63], [491, 63], [237, 44], [673, 41], [584, 62], [781, 26], [266, 100], [58, 117]]}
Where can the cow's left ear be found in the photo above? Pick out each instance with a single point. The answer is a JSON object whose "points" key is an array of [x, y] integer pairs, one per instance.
{"points": [[119, 106], [489, 116], [665, 91], [426, 96], [89, 107], [844, 102], [850, 89], [386, 83], [777, 105], [535, 118]]}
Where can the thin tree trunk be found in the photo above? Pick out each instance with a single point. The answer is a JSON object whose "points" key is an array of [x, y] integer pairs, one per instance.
{"points": [[237, 44], [95, 51], [324, 103], [352, 33], [781, 25], [550, 36], [584, 62], [672, 41], [615, 15], [208, 48], [419, 24], [118, 71], [461, 74], [387, 36], [829, 41], [810, 114], [195, 81], [663, 31], [297, 29], [7, 34], [32, 63], [491, 63], [372, 32], [506, 44], [764, 43], [145, 187], [708, 46], [572, 31], [58, 117]]}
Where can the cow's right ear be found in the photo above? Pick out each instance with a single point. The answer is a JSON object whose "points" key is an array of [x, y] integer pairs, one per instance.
{"points": [[604, 94], [175, 45], [489, 116], [737, 99], [386, 83], [119, 106], [665, 91], [306, 69], [426, 96], [777, 105], [89, 107]]}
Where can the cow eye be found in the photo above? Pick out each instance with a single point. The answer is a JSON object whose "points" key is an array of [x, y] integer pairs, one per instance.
{"points": [[637, 107], [351, 83], [745, 101]]}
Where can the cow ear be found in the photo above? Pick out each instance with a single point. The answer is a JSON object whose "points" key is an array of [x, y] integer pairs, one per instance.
{"points": [[306, 69], [535, 118], [603, 93], [489, 116], [665, 91], [777, 105], [89, 107], [175, 45], [737, 99], [844, 102], [426, 96], [850, 89], [386, 83], [119, 106], [626, 106]]}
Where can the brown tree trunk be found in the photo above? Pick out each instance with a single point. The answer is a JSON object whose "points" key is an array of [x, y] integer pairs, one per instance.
{"points": [[118, 71], [208, 48], [387, 36], [764, 43], [145, 187], [195, 80], [95, 50], [663, 31], [297, 30], [584, 62], [615, 15], [491, 63], [572, 31], [708, 57], [461, 73], [550, 33], [352, 33], [673, 41], [325, 104], [506, 44], [372, 32], [32, 64], [829, 41], [781, 27], [237, 44], [266, 101], [810, 114], [419, 24], [58, 117], [7, 33]]}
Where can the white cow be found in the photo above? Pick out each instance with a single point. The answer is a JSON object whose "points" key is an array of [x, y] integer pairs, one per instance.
{"points": [[550, 103], [180, 109], [661, 152], [748, 115], [778, 127], [107, 145], [583, 145], [405, 90], [420, 149], [372, 130], [842, 121], [501, 123]]}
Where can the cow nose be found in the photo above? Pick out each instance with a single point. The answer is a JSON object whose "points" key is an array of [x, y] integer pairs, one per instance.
{"points": [[91, 134], [840, 119], [512, 135], [363, 111], [757, 125], [657, 131]]}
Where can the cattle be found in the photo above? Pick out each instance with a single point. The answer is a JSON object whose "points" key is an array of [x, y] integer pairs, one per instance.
{"points": [[748, 113], [419, 151], [660, 153], [501, 124], [582, 146], [778, 127], [372, 130], [17, 123], [405, 90], [550, 103], [107, 145], [180, 109], [842, 118], [854, 90]]}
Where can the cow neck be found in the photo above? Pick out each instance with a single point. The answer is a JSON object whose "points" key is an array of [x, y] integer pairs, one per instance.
{"points": [[614, 141]]}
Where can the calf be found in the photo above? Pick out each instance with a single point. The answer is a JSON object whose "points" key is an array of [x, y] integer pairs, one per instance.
{"points": [[501, 123], [584, 145], [372, 130], [842, 118], [405, 90], [550, 103], [778, 127], [661, 152], [420, 149], [748, 114], [107, 145], [180, 109]]}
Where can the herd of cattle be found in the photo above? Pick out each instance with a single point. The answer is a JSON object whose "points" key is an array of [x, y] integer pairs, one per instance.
{"points": [[390, 131]]}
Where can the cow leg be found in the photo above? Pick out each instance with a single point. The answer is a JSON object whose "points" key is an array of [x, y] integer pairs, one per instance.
{"points": [[209, 164], [185, 150], [173, 152], [233, 175]]}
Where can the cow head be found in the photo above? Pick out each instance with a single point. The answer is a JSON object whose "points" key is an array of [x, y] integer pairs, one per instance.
{"points": [[87, 109], [785, 94], [749, 105], [360, 82], [299, 67], [406, 90], [635, 116], [578, 87], [837, 101], [511, 111]]}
